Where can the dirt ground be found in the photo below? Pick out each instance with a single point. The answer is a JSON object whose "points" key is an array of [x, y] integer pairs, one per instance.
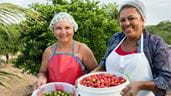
{"points": [[19, 85]]}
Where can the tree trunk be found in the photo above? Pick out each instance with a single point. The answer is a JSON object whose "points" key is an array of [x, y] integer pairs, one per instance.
{"points": [[7, 58]]}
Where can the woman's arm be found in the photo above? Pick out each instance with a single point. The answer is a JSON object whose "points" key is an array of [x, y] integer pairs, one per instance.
{"points": [[42, 75], [88, 58], [161, 62]]}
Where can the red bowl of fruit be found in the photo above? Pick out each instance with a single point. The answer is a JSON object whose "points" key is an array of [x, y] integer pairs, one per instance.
{"points": [[102, 84]]}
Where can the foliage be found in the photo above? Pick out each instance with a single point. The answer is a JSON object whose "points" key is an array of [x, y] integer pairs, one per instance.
{"points": [[162, 29], [95, 28], [112, 10], [8, 44], [10, 16]]}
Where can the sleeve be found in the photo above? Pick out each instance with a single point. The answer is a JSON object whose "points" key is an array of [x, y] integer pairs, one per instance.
{"points": [[161, 58]]}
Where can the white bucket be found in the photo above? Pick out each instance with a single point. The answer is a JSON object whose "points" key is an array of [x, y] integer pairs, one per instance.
{"points": [[110, 91], [55, 86]]}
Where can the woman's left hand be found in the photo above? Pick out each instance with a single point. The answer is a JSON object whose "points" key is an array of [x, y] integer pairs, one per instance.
{"points": [[132, 89]]}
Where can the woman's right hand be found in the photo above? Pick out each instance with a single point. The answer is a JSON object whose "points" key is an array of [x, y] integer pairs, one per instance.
{"points": [[40, 81]]}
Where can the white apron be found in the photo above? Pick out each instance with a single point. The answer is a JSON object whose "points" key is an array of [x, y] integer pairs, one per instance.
{"points": [[135, 66]]}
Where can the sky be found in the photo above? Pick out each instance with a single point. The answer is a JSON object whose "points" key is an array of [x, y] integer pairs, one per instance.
{"points": [[156, 10]]}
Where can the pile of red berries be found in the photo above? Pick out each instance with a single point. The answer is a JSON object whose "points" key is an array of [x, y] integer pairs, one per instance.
{"points": [[102, 80]]}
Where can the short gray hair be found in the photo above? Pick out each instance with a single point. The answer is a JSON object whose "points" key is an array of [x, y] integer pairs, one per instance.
{"points": [[63, 16], [136, 4]]}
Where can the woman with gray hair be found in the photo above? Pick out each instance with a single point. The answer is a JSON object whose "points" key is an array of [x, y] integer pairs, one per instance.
{"points": [[143, 57], [66, 60]]}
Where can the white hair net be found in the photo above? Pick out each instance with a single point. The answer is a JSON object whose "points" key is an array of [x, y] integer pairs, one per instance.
{"points": [[138, 5], [63, 16]]}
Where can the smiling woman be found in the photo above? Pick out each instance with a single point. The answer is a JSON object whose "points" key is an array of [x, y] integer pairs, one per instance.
{"points": [[67, 59], [142, 56]]}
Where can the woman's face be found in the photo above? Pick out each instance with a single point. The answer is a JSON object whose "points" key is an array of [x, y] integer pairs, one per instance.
{"points": [[131, 22], [63, 31]]}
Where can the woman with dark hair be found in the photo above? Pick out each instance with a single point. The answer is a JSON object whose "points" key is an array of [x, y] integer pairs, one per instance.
{"points": [[143, 57]]}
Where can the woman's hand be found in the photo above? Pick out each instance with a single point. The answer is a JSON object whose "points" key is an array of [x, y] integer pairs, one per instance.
{"points": [[40, 81], [132, 89]]}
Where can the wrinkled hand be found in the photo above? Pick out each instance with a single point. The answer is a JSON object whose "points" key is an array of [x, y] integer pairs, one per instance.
{"points": [[40, 81], [131, 90]]}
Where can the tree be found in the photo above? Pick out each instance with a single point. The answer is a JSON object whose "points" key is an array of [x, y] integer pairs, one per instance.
{"points": [[112, 10], [9, 44], [10, 16], [162, 29], [95, 28]]}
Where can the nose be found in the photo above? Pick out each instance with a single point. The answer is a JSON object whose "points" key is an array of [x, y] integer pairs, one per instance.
{"points": [[63, 30]]}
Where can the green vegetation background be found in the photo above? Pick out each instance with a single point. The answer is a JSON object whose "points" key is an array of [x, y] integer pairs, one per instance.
{"points": [[96, 24]]}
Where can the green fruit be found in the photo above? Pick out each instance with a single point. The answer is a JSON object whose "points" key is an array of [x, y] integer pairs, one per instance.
{"points": [[58, 93]]}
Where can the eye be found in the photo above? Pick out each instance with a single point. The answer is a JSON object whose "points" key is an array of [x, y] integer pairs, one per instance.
{"points": [[132, 18], [67, 27], [122, 20], [57, 28]]}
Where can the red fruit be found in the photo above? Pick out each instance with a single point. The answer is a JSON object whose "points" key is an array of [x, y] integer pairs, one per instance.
{"points": [[102, 80]]}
